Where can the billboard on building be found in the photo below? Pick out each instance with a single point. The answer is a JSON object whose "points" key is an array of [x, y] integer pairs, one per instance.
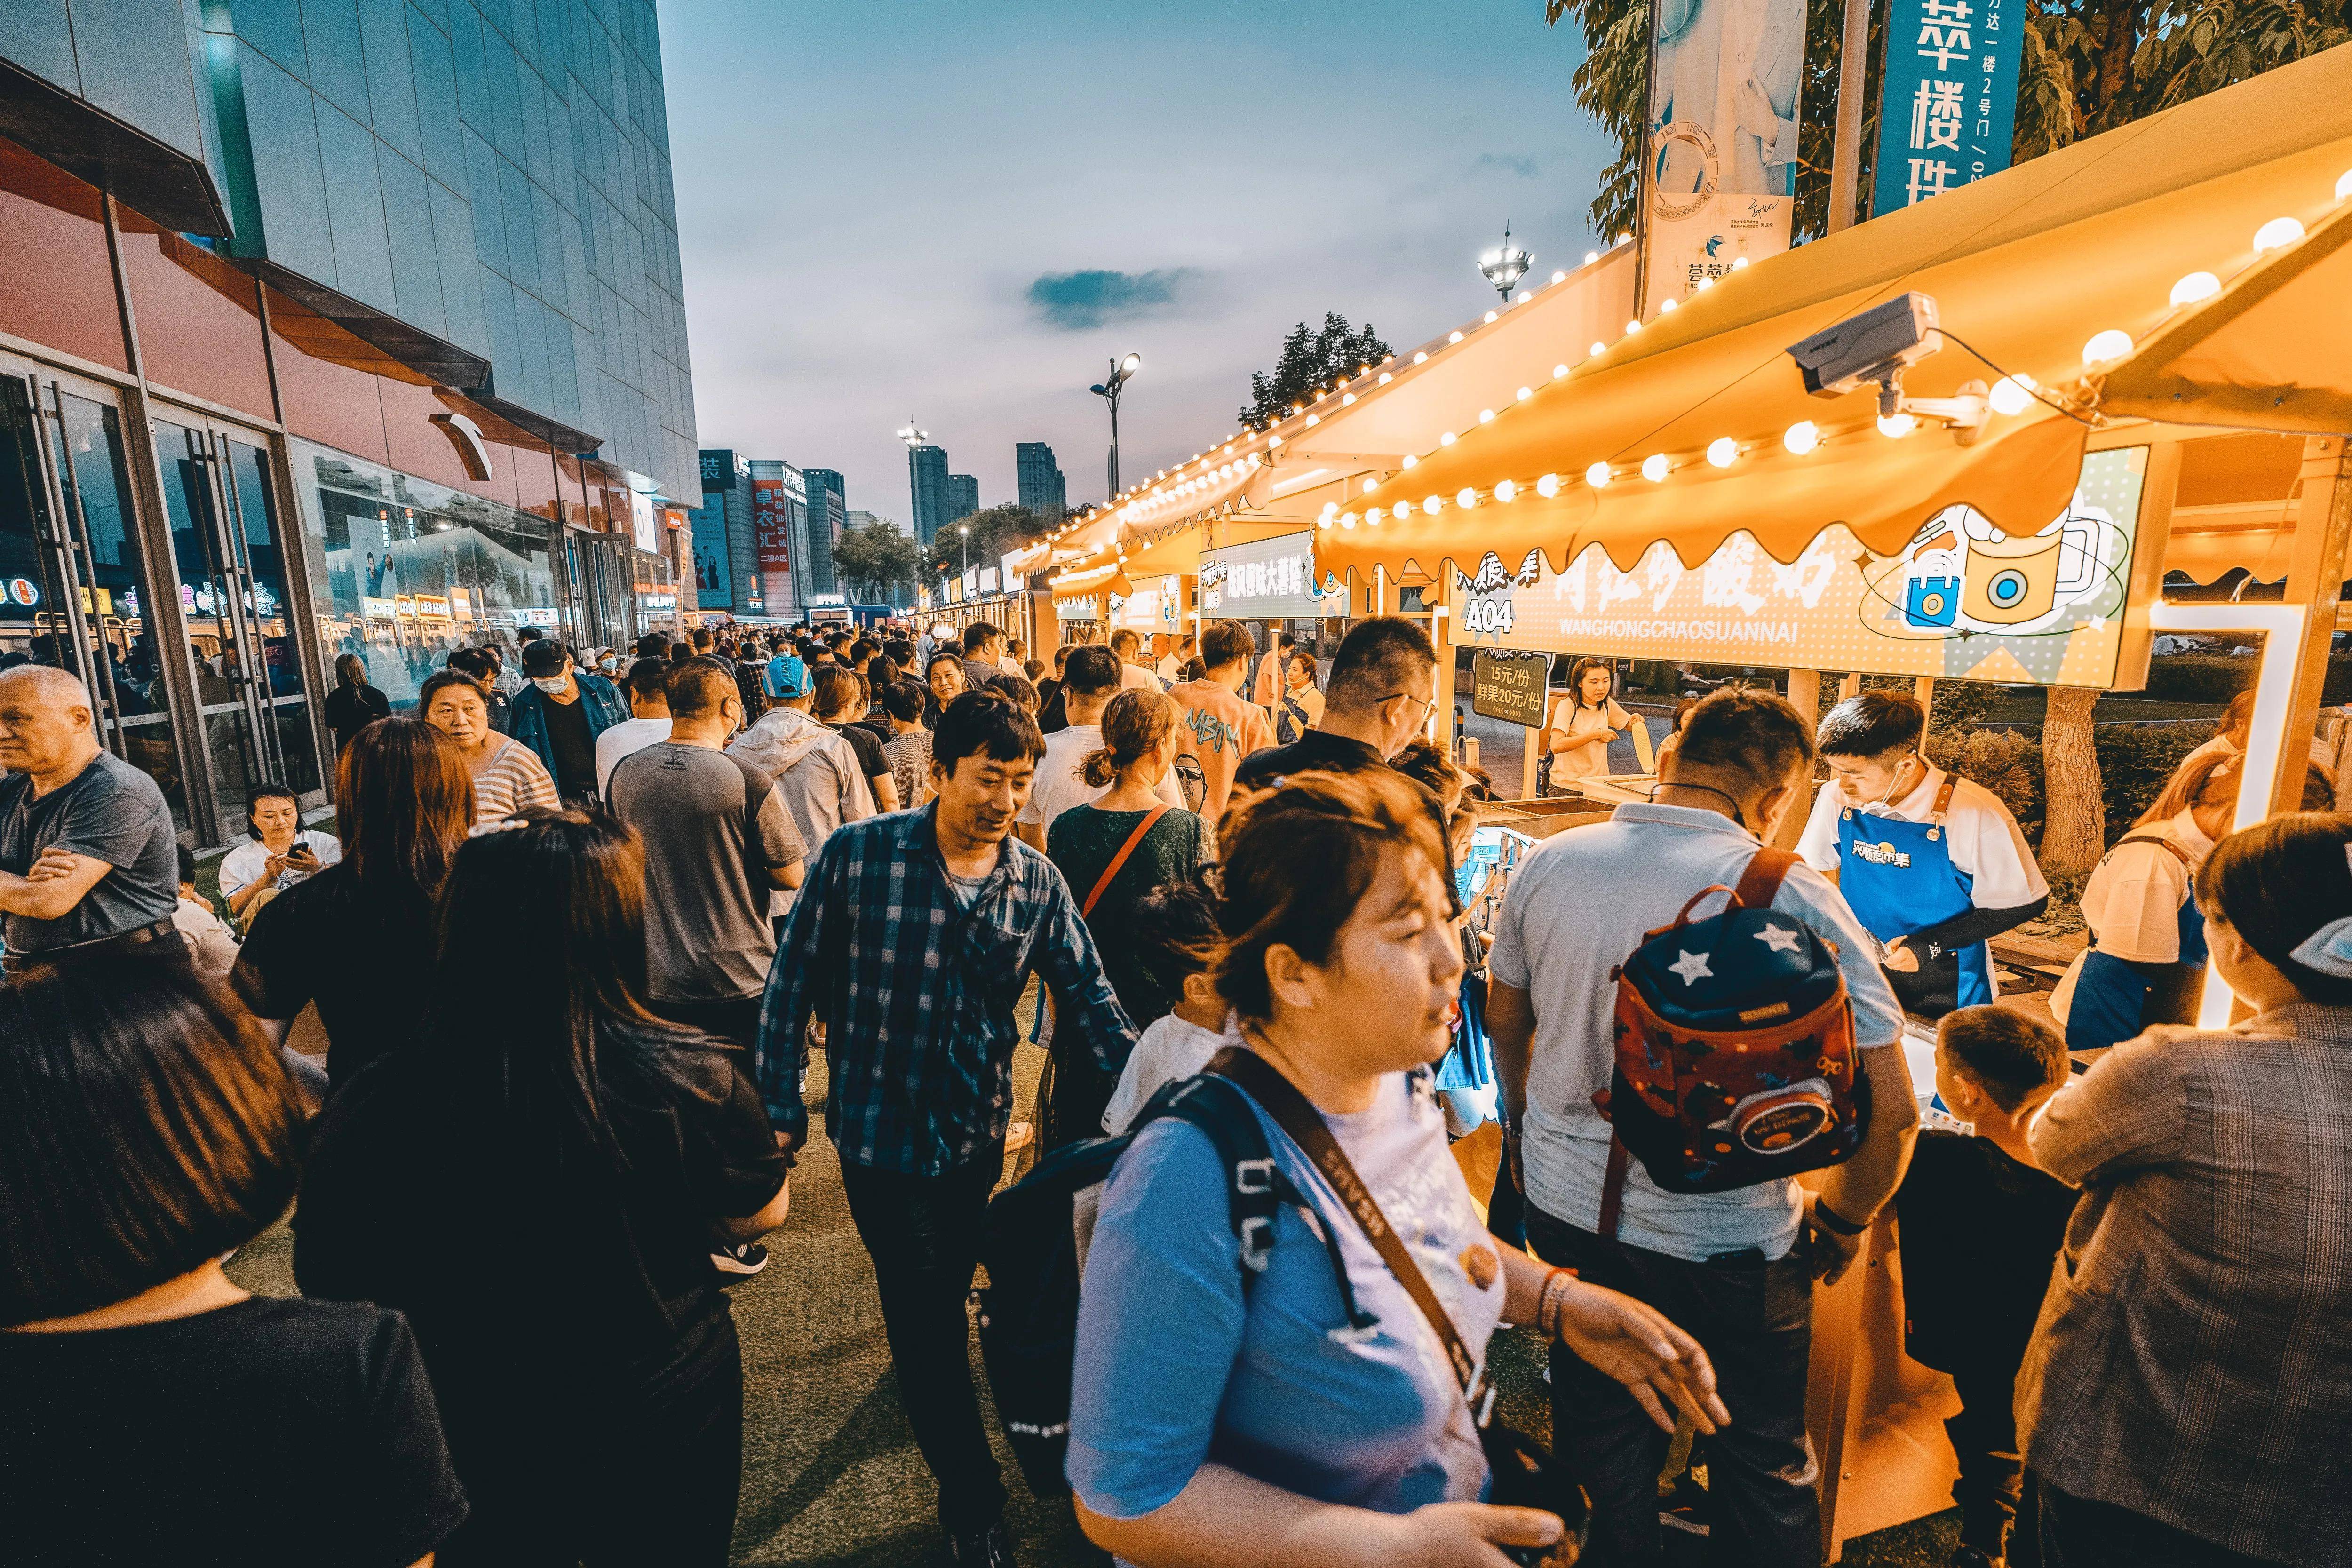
{"points": [[714, 569], [1718, 181], [771, 525], [1950, 94]]}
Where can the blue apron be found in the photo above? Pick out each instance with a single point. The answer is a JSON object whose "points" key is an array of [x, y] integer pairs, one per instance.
{"points": [[1898, 877], [2115, 1001]]}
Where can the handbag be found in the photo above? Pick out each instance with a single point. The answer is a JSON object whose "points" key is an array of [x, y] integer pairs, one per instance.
{"points": [[1523, 1475]]}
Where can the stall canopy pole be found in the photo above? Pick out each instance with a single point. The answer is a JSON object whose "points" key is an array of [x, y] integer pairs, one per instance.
{"points": [[1845, 146], [2314, 578], [1441, 713], [1805, 697], [1923, 686]]}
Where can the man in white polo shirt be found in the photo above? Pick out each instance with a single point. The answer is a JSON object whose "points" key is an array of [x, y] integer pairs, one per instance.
{"points": [[1735, 1269]]}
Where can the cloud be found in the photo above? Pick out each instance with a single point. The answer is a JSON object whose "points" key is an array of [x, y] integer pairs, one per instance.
{"points": [[1508, 162], [1074, 302]]}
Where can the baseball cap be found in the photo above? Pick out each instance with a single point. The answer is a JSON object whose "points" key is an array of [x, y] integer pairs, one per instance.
{"points": [[788, 675]]}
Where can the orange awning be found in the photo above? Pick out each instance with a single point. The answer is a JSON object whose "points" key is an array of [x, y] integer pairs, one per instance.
{"points": [[2025, 267]]}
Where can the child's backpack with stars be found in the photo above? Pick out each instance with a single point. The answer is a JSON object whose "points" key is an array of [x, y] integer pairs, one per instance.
{"points": [[1735, 1048]]}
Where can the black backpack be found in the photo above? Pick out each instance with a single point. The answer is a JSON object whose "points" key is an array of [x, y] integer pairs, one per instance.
{"points": [[1033, 1244]]}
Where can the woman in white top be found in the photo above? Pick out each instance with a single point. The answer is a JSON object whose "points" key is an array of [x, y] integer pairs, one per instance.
{"points": [[280, 853], [509, 777], [1586, 720]]}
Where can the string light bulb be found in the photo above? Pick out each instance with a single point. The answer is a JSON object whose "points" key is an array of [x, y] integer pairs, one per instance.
{"points": [[2194, 288], [1559, 277], [1485, 416], [1666, 304], [2011, 395], [1447, 439], [1895, 426], [1432, 505], [2105, 347], [1410, 459], [2276, 233], [1489, 317], [1654, 468], [1454, 336], [1599, 349], [1802, 437], [1559, 371], [1401, 510], [1548, 486], [1421, 356], [1523, 394], [1386, 378], [1466, 498], [1505, 491], [1590, 257], [1598, 476], [1723, 451]]}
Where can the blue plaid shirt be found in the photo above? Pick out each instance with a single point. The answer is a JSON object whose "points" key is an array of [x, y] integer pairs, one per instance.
{"points": [[916, 990]]}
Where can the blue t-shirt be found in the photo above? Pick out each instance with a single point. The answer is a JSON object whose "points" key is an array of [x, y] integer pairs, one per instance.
{"points": [[1174, 1369]]}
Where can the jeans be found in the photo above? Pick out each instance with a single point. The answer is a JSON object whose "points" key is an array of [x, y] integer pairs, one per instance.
{"points": [[737, 1022], [923, 1235], [2079, 1534], [1755, 1320]]}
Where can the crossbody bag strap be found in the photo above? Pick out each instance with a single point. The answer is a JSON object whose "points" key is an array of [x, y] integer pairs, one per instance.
{"points": [[1762, 882], [1294, 1115], [1103, 885], [2179, 853], [1613, 1186]]}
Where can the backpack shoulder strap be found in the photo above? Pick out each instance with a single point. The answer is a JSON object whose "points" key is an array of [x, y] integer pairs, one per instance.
{"points": [[1762, 883], [2173, 845]]}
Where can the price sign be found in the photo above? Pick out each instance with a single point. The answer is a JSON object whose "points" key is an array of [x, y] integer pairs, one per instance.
{"points": [[1508, 684]]}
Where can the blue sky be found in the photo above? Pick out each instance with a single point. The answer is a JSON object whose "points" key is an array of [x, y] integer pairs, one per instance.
{"points": [[956, 213]]}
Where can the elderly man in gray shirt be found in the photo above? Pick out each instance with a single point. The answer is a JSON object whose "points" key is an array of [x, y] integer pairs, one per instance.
{"points": [[89, 865]]}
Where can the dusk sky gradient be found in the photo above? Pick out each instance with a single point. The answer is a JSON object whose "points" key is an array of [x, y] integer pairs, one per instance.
{"points": [[956, 215]]}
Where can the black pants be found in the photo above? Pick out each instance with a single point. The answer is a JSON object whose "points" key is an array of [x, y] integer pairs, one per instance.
{"points": [[923, 1234], [612, 1478], [2079, 1534], [737, 1022], [1992, 1481], [1755, 1320]]}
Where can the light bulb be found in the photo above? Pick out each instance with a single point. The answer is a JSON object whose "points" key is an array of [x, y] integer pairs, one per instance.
{"points": [[1739, 262], [2107, 347], [1895, 426], [1590, 257], [1632, 327], [1490, 316], [1446, 439], [1466, 498], [1802, 437], [1548, 486], [1313, 419], [1272, 442], [1453, 337], [1420, 356], [1371, 485], [1559, 371], [1723, 451], [1401, 510], [1523, 393], [1599, 349], [1331, 509], [2195, 286], [1323, 522], [2011, 395], [1624, 239], [1666, 304], [1347, 519], [1485, 416], [1410, 459], [1386, 378], [1598, 476], [2279, 231], [1559, 277], [1653, 466], [1505, 491], [1432, 505]]}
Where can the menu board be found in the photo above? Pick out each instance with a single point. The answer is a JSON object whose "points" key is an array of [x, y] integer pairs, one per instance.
{"points": [[1510, 683]]}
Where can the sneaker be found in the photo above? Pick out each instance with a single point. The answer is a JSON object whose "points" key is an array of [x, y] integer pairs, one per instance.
{"points": [[988, 1547], [745, 1260]]}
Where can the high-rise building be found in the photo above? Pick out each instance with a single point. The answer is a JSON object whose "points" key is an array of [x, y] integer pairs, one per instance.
{"points": [[872, 519], [779, 512], [326, 270], [927, 479], [1042, 488], [964, 496], [726, 569], [828, 514]]}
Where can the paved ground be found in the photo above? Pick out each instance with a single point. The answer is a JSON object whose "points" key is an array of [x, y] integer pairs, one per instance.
{"points": [[830, 1477]]}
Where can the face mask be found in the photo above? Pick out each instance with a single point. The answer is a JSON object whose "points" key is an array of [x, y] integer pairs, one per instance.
{"points": [[608, 665], [551, 684]]}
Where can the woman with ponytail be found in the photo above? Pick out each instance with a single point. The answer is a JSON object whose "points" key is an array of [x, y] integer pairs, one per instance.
{"points": [[1112, 853], [2188, 1394], [539, 1183]]}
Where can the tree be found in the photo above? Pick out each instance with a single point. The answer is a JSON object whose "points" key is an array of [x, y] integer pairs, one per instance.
{"points": [[873, 560], [2075, 833], [1311, 364], [995, 531]]}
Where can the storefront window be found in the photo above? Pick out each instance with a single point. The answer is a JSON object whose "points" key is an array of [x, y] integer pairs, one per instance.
{"points": [[402, 572]]}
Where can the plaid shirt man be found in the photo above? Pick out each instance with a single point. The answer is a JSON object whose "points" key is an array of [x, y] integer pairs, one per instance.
{"points": [[2191, 1363], [916, 987]]}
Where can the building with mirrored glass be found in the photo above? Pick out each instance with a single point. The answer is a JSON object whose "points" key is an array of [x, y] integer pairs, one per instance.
{"points": [[349, 327]]}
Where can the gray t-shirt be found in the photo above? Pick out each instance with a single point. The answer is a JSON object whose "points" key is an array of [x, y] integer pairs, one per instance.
{"points": [[110, 812], [713, 827], [909, 756]]}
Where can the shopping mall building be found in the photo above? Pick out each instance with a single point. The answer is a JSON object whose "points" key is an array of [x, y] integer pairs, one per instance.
{"points": [[329, 327]]}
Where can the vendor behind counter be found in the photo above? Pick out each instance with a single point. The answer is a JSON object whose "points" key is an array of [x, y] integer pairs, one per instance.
{"points": [[1933, 864]]}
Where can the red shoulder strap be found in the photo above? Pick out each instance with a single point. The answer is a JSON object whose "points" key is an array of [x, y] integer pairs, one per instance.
{"points": [[1126, 849], [1762, 883]]}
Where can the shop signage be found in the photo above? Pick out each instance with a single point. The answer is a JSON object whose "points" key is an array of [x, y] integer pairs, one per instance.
{"points": [[988, 580], [1150, 607], [1510, 683], [772, 524], [23, 591], [1950, 94], [1012, 579], [1271, 579], [1079, 607], [1962, 599], [1719, 180]]}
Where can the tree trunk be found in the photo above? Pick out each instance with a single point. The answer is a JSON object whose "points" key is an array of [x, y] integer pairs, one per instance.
{"points": [[2075, 831], [2116, 47]]}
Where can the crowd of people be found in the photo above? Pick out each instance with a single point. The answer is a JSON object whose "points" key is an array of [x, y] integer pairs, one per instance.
{"points": [[581, 936]]}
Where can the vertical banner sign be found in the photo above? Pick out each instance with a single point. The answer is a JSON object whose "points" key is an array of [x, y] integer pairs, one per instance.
{"points": [[714, 586], [1950, 97], [771, 529], [1719, 176]]}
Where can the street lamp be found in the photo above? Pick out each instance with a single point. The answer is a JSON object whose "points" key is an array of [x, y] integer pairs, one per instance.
{"points": [[1107, 389], [965, 533], [1505, 265]]}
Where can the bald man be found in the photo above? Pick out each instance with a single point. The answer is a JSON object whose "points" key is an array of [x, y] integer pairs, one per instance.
{"points": [[89, 866]]}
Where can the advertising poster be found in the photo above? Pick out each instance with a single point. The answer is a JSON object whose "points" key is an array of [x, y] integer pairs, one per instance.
{"points": [[1268, 579], [1962, 599], [771, 525], [1950, 97], [714, 572], [1719, 180]]}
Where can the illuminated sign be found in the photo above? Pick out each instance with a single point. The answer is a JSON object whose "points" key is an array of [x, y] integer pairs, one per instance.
{"points": [[23, 591], [376, 609], [1272, 579], [1151, 606], [988, 580], [1079, 607], [771, 525], [1961, 599]]}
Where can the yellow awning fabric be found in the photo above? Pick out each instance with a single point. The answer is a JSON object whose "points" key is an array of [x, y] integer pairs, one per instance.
{"points": [[2025, 267], [1094, 580]]}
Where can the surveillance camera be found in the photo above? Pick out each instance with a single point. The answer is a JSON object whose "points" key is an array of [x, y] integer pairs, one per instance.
{"points": [[1873, 348]]}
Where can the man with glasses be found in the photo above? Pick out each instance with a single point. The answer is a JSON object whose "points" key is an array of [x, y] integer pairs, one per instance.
{"points": [[1382, 690]]}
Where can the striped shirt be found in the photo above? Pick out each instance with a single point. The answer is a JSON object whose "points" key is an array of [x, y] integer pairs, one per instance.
{"points": [[915, 980], [515, 781]]}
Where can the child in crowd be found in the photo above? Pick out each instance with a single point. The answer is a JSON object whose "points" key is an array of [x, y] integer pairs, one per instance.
{"points": [[1175, 934], [1981, 1229]]}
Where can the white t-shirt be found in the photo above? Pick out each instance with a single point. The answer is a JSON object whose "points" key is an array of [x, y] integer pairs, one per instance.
{"points": [[1571, 718], [630, 735], [1985, 842], [242, 865], [1059, 785], [1136, 677], [1168, 1048], [1579, 903], [2133, 898]]}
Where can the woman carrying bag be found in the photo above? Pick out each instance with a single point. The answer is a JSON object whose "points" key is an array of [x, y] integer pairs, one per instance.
{"points": [[1294, 1420]]}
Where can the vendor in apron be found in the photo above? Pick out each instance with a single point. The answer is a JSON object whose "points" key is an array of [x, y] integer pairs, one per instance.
{"points": [[1932, 864]]}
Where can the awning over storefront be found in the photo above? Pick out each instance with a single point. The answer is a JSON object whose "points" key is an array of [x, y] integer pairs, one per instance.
{"points": [[2025, 268]]}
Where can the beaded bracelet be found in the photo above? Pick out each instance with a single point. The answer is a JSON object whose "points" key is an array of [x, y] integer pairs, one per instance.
{"points": [[1550, 1299]]}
